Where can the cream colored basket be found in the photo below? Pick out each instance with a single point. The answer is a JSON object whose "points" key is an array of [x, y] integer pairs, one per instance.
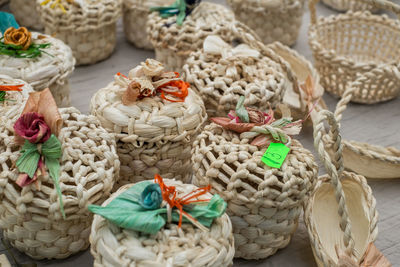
{"points": [[264, 203], [51, 70], [26, 14], [154, 136], [347, 45], [172, 246], [344, 5], [135, 13], [272, 20], [88, 27], [174, 44], [340, 215], [30, 218]]}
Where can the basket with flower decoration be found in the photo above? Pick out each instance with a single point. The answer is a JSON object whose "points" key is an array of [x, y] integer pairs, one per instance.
{"points": [[263, 174], [40, 60], [180, 29], [87, 26], [53, 164], [162, 223], [26, 14], [154, 116]]}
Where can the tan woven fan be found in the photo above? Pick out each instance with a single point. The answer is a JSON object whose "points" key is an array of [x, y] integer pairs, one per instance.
{"points": [[356, 43], [340, 215]]}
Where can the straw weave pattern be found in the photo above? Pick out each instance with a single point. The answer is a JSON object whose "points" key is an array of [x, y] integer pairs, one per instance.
{"points": [[345, 5], [264, 203], [31, 218], [47, 71], [25, 13], [171, 246], [154, 136]]}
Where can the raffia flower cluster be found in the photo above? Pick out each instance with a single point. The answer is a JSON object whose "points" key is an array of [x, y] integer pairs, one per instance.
{"points": [[21, 37]]}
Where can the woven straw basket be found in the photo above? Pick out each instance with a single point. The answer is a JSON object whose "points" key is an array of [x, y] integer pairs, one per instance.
{"points": [[221, 73], [30, 218], [368, 160], [154, 136], [135, 13], [264, 203], [340, 215], [172, 246], [344, 5], [50, 70], [272, 20], [88, 27], [26, 14], [174, 44], [352, 44]]}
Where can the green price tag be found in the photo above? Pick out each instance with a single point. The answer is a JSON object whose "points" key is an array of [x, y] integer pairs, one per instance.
{"points": [[275, 155]]}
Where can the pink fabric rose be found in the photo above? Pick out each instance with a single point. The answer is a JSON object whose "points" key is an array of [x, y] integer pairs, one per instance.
{"points": [[32, 127]]}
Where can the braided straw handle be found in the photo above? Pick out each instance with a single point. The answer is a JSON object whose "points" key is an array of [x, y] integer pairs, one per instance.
{"points": [[334, 168], [380, 4]]}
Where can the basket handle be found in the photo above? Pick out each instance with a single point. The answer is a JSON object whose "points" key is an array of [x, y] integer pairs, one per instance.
{"points": [[334, 167], [381, 4]]}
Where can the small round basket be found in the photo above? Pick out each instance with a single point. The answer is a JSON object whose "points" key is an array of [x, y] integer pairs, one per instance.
{"points": [[264, 203], [272, 20], [50, 70], [88, 27], [31, 217], [26, 14], [154, 135], [345, 5], [171, 246], [340, 214], [344, 47], [135, 13], [173, 44]]}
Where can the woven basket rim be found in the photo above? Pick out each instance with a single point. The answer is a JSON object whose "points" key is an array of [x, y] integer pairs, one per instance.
{"points": [[262, 6], [374, 151]]}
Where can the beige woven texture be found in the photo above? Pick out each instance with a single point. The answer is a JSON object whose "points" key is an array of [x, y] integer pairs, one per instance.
{"points": [[51, 70], [348, 45], [30, 218], [272, 20], [340, 214], [172, 246], [25, 13], [173, 44], [264, 203], [344, 5], [135, 13], [154, 136], [88, 27]]}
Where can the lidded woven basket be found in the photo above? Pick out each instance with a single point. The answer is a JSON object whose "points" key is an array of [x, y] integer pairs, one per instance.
{"points": [[345, 5], [272, 20], [87, 26], [173, 43], [264, 203], [31, 216], [340, 214], [49, 70], [135, 13], [170, 246], [26, 14], [354, 44], [154, 135]]}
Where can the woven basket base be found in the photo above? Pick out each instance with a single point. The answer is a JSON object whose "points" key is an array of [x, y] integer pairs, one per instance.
{"points": [[135, 27], [170, 59], [25, 13]]}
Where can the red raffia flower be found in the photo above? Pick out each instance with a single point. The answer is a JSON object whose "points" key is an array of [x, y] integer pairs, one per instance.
{"points": [[32, 127]]}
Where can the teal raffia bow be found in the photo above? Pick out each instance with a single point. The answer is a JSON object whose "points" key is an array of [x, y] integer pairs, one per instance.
{"points": [[181, 8], [139, 208], [7, 20], [51, 152]]}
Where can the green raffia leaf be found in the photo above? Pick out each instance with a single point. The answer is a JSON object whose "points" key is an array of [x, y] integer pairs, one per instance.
{"points": [[28, 162], [241, 111], [16, 51]]}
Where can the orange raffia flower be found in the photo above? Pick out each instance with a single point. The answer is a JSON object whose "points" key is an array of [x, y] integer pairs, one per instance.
{"points": [[21, 37]]}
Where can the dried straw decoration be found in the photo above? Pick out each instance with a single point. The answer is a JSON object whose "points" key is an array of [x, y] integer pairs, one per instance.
{"points": [[174, 44], [51, 70], [30, 217], [345, 5], [88, 27], [272, 20], [26, 14], [135, 13], [344, 48], [154, 135], [264, 203], [340, 215], [171, 246]]}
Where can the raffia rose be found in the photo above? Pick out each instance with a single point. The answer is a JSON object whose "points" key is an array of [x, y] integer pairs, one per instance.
{"points": [[21, 37], [32, 127]]}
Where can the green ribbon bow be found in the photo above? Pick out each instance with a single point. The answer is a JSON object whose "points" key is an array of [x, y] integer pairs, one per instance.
{"points": [[177, 8], [51, 151], [138, 209]]}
